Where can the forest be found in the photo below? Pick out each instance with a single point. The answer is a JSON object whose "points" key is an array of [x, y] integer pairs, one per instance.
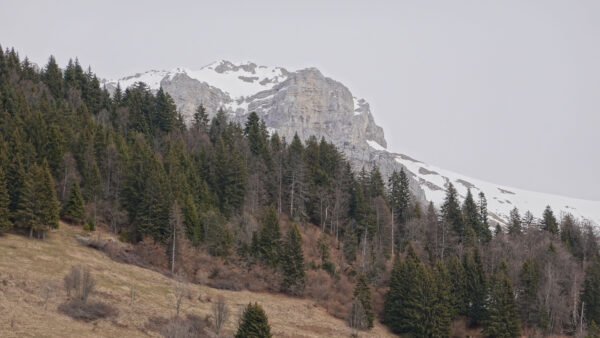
{"points": [[290, 214]]}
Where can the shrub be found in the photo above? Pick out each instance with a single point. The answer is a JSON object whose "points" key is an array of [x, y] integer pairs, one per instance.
{"points": [[87, 311]]}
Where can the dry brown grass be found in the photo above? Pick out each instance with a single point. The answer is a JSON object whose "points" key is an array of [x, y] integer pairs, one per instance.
{"points": [[28, 267]]}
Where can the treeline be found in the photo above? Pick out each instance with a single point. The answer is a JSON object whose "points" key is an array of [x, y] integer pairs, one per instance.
{"points": [[69, 149]]}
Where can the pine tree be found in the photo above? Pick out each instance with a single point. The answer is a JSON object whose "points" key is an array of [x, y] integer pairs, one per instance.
{"points": [[456, 277], [5, 222], [502, 318], [471, 216], [294, 277], [270, 237], [514, 223], [254, 323], [27, 214], [591, 290], [484, 232], [362, 292], [527, 300], [74, 209], [399, 198], [475, 286], [549, 222], [451, 213], [48, 203], [201, 118]]}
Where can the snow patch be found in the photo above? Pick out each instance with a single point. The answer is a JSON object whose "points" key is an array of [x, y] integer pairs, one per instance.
{"points": [[376, 145]]}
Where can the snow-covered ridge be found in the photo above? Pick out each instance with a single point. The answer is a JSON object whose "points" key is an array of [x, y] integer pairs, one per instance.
{"points": [[501, 199], [239, 80]]}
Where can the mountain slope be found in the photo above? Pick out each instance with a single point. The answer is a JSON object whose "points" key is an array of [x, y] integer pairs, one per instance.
{"points": [[29, 266], [309, 104]]}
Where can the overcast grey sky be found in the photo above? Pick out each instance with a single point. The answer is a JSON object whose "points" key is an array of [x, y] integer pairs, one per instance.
{"points": [[505, 91]]}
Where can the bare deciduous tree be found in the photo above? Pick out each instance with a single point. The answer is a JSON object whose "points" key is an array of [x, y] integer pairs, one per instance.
{"points": [[80, 281], [220, 313], [181, 291], [357, 319]]}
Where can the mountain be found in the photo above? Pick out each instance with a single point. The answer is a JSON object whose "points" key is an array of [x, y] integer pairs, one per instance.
{"points": [[309, 104]]}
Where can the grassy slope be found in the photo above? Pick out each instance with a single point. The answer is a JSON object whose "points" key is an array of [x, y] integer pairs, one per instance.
{"points": [[27, 266]]}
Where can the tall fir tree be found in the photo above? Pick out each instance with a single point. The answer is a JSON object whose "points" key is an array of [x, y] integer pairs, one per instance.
{"points": [[591, 291], [549, 222], [292, 262], [200, 119], [269, 245], [471, 218], [74, 209], [514, 223], [451, 213], [475, 286], [529, 277], [5, 222], [501, 311], [254, 323]]}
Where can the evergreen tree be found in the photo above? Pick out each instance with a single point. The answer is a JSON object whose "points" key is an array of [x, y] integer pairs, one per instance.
{"points": [[451, 213], [458, 286], [74, 209], [254, 323], [47, 200], [591, 290], [153, 215], [362, 293], [256, 138], [501, 319], [5, 222], [549, 222], [399, 198], [201, 118], [294, 277], [476, 287], [484, 232], [270, 237], [38, 206], [471, 217], [514, 223], [527, 300]]}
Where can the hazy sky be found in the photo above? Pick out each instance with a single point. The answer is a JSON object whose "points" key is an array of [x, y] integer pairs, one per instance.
{"points": [[505, 91]]}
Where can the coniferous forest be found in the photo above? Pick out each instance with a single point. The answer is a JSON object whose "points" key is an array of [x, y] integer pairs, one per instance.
{"points": [[212, 189]]}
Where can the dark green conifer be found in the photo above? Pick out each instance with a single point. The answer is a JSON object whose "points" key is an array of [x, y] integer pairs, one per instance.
{"points": [[254, 323], [5, 222], [74, 209], [502, 318], [292, 262], [591, 290], [549, 222], [270, 237]]}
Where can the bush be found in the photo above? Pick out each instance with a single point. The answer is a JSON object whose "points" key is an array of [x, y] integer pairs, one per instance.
{"points": [[191, 326], [87, 311], [89, 225], [329, 267]]}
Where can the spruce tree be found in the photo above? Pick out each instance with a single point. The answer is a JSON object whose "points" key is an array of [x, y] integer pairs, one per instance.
{"points": [[74, 209], [475, 287], [591, 290], [5, 222], [549, 222], [484, 232], [458, 286], [294, 277], [254, 323], [47, 197], [514, 223], [201, 119], [451, 213], [471, 217], [362, 292], [529, 277], [270, 237], [501, 318]]}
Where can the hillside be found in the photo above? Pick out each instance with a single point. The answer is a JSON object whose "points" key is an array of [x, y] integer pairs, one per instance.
{"points": [[308, 103], [27, 266]]}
